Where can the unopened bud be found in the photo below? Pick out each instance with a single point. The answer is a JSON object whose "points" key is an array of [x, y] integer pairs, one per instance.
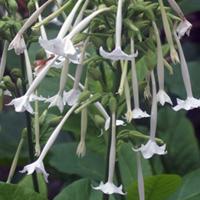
{"points": [[8, 83], [113, 104]]}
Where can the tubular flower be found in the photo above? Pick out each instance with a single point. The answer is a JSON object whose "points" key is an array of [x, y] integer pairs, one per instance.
{"points": [[168, 33], [109, 187], [59, 99], [68, 50], [184, 26], [38, 164], [117, 53], [151, 148], [190, 102], [162, 96], [137, 113], [22, 103], [18, 43]]}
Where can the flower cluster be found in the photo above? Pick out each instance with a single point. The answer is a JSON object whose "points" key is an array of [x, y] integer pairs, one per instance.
{"points": [[66, 50]]}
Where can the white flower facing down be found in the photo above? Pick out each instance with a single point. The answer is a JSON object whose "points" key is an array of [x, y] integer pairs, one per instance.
{"points": [[137, 113], [183, 28], [22, 103], [56, 100], [71, 97], [37, 166], [151, 148], [109, 188], [117, 53], [163, 97], [189, 104], [18, 44]]}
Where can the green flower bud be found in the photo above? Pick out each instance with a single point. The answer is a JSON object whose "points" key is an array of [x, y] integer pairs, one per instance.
{"points": [[99, 120], [113, 104], [16, 73], [55, 121], [8, 83]]}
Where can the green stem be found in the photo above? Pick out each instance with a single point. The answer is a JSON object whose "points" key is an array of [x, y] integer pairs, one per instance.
{"points": [[29, 130], [16, 158]]}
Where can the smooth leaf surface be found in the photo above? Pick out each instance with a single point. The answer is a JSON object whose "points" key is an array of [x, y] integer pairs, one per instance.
{"points": [[189, 190], [158, 187], [177, 131], [17, 192], [91, 166]]}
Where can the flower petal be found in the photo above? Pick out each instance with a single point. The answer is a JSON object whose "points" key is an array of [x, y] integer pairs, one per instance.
{"points": [[163, 98], [109, 188], [21, 104], [116, 54], [71, 97], [189, 104], [184, 28], [37, 166], [56, 100], [137, 113], [151, 148]]}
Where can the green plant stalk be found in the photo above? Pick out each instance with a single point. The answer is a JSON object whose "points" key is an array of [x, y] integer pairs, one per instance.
{"points": [[15, 159], [28, 125], [124, 67]]}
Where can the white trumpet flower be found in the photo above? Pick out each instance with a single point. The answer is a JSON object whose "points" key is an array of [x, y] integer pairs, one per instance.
{"points": [[109, 187], [184, 26], [117, 53], [162, 96], [18, 43], [137, 113], [190, 102], [38, 164], [151, 148]]}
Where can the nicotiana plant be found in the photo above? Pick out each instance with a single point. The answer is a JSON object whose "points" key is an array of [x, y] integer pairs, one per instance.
{"points": [[101, 41]]}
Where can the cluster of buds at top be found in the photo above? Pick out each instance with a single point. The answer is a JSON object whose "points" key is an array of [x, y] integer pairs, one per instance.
{"points": [[62, 51]]}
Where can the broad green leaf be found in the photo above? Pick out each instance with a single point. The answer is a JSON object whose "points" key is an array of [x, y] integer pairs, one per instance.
{"points": [[64, 159], [158, 187], [189, 190], [78, 190], [128, 165], [17, 192], [177, 131], [27, 182]]}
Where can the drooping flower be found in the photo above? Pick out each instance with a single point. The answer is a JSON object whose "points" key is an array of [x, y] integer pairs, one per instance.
{"points": [[59, 99], [109, 187], [190, 102], [137, 113], [162, 96], [151, 147], [23, 103], [18, 43], [117, 53], [38, 164], [184, 26], [68, 50], [168, 33]]}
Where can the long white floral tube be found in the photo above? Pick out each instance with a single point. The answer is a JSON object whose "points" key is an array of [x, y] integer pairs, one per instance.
{"points": [[109, 187], [162, 96], [3, 59], [38, 165]]}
